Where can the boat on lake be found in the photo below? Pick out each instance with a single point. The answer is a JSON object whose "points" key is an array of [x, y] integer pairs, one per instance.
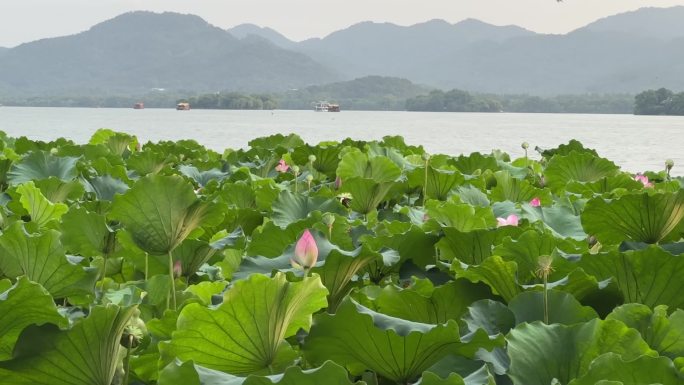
{"points": [[183, 106], [324, 106], [139, 106]]}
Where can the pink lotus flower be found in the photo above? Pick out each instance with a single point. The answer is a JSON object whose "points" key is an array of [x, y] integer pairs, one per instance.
{"points": [[535, 202], [643, 179], [305, 253], [282, 166], [511, 220]]}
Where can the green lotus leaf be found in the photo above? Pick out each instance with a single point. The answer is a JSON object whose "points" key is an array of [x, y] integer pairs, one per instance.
{"points": [[41, 210], [612, 369], [290, 208], [40, 165], [161, 211], [458, 370], [366, 193], [240, 195], [118, 143], [498, 274], [440, 182], [414, 244], [189, 374], [577, 166], [58, 191], [105, 187], [491, 316], [359, 338], [356, 164], [327, 158], [193, 253], [86, 354], [472, 195], [561, 220], [540, 353], [472, 247], [42, 259], [276, 141], [526, 250], [563, 308], [26, 303], [85, 233], [475, 162], [481, 377], [148, 162], [246, 333], [462, 217], [341, 270], [202, 178], [651, 276], [515, 190], [447, 302], [644, 217], [565, 149], [663, 333], [605, 185]]}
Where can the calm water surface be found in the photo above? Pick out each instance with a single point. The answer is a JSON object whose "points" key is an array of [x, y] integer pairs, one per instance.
{"points": [[636, 143]]}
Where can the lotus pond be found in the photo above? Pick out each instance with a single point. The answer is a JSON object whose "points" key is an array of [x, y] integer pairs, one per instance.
{"points": [[339, 263]]}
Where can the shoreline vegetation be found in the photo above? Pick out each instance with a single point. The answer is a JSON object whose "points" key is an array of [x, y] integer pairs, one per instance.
{"points": [[377, 93]]}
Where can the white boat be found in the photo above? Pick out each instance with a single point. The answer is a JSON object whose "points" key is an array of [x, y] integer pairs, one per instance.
{"points": [[324, 106]]}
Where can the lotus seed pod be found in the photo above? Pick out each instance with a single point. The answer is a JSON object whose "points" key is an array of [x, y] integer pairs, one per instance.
{"points": [[328, 219], [426, 156], [309, 178], [525, 145], [312, 158], [295, 169], [669, 164]]}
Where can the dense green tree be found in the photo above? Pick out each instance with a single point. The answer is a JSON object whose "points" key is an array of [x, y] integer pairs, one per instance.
{"points": [[659, 102]]}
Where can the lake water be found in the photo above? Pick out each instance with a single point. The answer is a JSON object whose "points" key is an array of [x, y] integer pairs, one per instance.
{"points": [[636, 143]]}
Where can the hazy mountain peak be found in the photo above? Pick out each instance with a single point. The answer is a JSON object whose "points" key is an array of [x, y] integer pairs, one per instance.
{"points": [[244, 30], [661, 23]]}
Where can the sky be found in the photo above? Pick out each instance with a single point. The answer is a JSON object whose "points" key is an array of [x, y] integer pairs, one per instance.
{"points": [[27, 20]]}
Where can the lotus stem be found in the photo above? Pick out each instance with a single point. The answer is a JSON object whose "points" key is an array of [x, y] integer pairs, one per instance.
{"points": [[173, 283], [545, 268], [127, 363], [546, 299], [427, 164], [147, 265]]}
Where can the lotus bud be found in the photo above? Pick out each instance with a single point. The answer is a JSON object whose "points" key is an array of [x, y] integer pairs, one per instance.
{"points": [[535, 202], [338, 183], [177, 269], [306, 252], [525, 146], [312, 158]]}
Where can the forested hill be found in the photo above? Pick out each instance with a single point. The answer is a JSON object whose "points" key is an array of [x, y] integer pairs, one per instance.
{"points": [[141, 51], [138, 52]]}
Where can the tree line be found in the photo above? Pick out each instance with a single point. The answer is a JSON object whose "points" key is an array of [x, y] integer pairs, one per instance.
{"points": [[659, 102]]}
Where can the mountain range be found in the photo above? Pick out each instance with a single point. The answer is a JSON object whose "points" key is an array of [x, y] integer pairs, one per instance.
{"points": [[139, 51]]}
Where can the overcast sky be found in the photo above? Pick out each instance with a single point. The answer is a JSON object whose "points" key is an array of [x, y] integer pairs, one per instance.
{"points": [[27, 20]]}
